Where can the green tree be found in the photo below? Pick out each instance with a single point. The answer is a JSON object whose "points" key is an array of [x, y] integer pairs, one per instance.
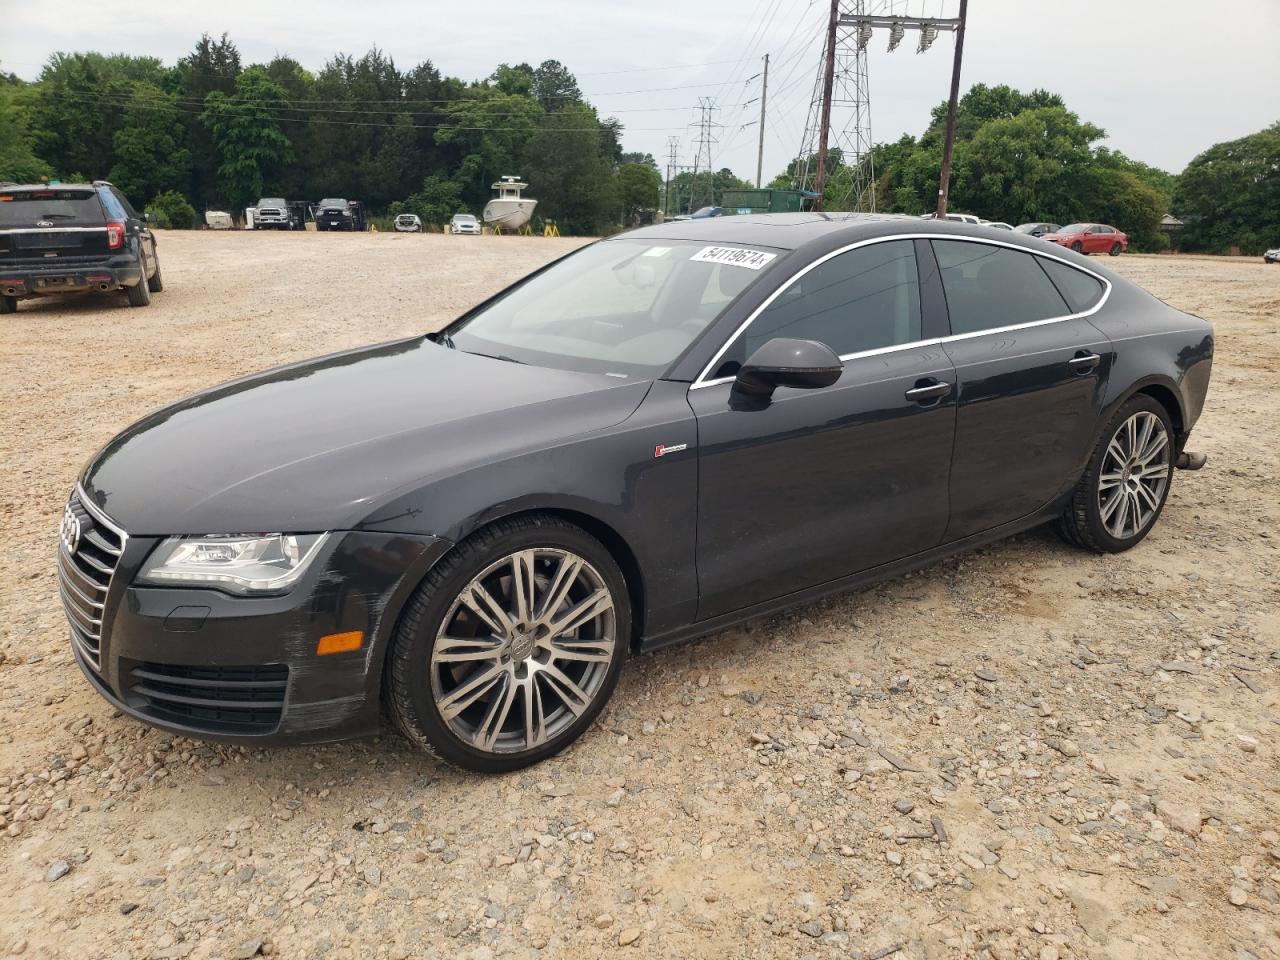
{"points": [[554, 87], [436, 202], [149, 147], [1229, 196], [639, 190], [212, 66], [252, 149], [574, 180], [18, 161]]}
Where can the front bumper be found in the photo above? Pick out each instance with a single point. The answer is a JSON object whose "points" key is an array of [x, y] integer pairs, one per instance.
{"points": [[205, 664], [68, 276]]}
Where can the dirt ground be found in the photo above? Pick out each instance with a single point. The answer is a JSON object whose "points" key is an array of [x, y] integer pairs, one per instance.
{"points": [[1026, 751]]}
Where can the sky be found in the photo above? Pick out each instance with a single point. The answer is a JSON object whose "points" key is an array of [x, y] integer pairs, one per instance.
{"points": [[1166, 79]]}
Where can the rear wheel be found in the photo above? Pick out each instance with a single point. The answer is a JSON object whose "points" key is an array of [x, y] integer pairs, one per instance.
{"points": [[1115, 250], [511, 646], [1126, 484], [8, 304], [139, 294]]}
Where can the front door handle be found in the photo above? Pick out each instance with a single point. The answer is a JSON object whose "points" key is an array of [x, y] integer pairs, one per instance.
{"points": [[928, 390], [1084, 362]]}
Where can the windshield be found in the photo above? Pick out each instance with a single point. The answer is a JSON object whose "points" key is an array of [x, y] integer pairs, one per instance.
{"points": [[271, 202], [333, 203], [1073, 228], [1028, 227], [626, 307], [62, 207], [464, 218]]}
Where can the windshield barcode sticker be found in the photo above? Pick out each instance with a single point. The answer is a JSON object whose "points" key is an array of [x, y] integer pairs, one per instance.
{"points": [[734, 257]]}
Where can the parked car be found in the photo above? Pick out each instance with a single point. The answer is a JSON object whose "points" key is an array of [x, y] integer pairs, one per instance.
{"points": [[336, 213], [464, 223], [270, 213], [1037, 229], [655, 437], [74, 238], [702, 213], [998, 224], [1090, 238], [1271, 256], [408, 223]]}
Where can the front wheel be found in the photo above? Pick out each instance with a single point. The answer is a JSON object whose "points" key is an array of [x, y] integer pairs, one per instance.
{"points": [[511, 646], [156, 282], [1078, 247], [1115, 250], [1125, 486]]}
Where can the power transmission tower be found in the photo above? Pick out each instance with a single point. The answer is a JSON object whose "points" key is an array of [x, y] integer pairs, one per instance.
{"points": [[708, 130], [838, 130], [673, 157]]}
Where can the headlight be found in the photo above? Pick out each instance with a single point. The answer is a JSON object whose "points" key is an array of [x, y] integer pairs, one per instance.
{"points": [[247, 565]]}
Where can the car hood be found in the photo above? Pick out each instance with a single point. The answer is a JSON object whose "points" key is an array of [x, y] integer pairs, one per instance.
{"points": [[321, 445]]}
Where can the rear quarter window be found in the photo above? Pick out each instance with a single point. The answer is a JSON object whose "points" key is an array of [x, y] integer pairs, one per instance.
{"points": [[989, 286], [1081, 290]]}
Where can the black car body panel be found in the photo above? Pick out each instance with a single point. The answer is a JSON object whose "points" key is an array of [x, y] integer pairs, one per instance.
{"points": [[718, 506]]}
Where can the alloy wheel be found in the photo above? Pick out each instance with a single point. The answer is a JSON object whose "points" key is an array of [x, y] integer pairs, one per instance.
{"points": [[524, 650], [1134, 475]]}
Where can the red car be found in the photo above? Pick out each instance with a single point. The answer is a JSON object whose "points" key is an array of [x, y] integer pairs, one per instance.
{"points": [[1090, 238]]}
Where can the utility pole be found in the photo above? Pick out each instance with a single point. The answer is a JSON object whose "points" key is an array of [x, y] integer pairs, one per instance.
{"points": [[764, 96], [673, 148], [824, 125], [944, 179]]}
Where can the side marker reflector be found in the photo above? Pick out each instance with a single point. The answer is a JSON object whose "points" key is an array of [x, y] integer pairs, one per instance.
{"points": [[339, 642]]}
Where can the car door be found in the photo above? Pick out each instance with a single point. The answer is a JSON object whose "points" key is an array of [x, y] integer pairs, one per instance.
{"points": [[808, 486], [1097, 240], [1031, 374]]}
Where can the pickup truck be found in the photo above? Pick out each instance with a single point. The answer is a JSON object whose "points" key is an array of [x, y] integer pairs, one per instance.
{"points": [[74, 238], [271, 213]]}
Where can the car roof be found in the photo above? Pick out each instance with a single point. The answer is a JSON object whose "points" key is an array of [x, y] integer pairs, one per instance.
{"points": [[11, 187], [791, 231]]}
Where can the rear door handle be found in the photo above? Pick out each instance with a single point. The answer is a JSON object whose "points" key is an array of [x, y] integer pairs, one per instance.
{"points": [[927, 391], [1084, 362]]}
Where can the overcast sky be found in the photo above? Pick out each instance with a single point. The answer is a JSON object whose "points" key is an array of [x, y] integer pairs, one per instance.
{"points": [[1164, 78]]}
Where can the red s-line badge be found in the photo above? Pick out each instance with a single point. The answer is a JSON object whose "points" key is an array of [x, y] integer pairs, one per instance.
{"points": [[662, 449]]}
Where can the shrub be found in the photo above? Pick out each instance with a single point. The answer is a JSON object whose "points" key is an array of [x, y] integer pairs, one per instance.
{"points": [[173, 211]]}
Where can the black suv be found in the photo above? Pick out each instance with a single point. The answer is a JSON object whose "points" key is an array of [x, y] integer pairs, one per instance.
{"points": [[74, 238]]}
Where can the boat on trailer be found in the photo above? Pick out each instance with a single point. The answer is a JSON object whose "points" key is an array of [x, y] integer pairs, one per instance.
{"points": [[509, 211]]}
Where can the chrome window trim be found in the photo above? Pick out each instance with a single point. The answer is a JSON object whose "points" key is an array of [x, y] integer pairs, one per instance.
{"points": [[1106, 293]]}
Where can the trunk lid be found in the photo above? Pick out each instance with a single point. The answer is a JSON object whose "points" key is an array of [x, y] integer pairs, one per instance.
{"points": [[53, 223]]}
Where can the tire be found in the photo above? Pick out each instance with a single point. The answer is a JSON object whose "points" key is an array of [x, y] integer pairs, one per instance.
{"points": [[139, 294], [8, 304], [427, 680], [1078, 247], [1115, 250], [1095, 519], [156, 282]]}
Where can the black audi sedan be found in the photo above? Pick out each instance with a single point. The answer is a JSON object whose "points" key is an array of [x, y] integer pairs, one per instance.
{"points": [[654, 437]]}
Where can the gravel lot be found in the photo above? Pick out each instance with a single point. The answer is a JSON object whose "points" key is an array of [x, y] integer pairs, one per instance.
{"points": [[1027, 751]]}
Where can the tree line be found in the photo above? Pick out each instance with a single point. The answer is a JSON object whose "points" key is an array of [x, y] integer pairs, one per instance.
{"points": [[1024, 157], [211, 132]]}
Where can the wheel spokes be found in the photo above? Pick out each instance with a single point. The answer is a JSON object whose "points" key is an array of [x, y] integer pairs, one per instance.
{"points": [[537, 626]]}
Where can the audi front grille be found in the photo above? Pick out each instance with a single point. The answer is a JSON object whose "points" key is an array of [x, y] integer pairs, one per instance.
{"points": [[89, 549]]}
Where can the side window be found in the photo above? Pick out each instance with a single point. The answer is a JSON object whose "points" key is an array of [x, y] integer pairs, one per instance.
{"points": [[860, 300], [1079, 289], [124, 202], [112, 205], [989, 286]]}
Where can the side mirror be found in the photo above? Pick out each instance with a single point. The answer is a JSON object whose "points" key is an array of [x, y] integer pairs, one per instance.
{"points": [[783, 362]]}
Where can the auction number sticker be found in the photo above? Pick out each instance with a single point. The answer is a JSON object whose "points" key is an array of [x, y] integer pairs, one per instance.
{"points": [[734, 257]]}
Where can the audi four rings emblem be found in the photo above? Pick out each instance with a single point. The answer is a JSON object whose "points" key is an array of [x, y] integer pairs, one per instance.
{"points": [[70, 531]]}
